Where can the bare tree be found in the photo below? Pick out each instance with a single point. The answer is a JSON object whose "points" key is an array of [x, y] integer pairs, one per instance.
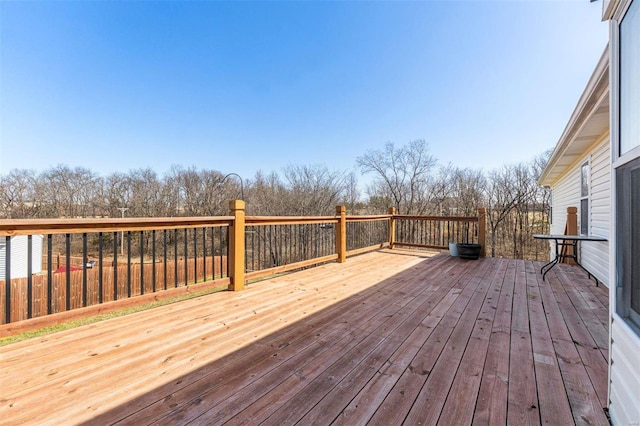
{"points": [[351, 197], [146, 194], [266, 195], [314, 189], [69, 192], [402, 174], [503, 195], [468, 187], [18, 194], [117, 193]]}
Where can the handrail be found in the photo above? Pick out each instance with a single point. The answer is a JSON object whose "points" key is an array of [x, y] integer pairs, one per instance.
{"points": [[365, 218], [11, 227], [289, 220], [439, 218]]}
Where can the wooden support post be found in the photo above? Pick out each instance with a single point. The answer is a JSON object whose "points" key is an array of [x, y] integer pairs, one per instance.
{"points": [[571, 228], [236, 246], [482, 230], [392, 227], [572, 221], [341, 234]]}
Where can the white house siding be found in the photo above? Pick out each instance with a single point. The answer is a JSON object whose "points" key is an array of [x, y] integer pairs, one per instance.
{"points": [[19, 258], [596, 254], [566, 193], [624, 373]]}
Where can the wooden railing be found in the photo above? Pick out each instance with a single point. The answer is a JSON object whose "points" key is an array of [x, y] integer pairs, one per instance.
{"points": [[123, 258], [130, 261], [438, 231]]}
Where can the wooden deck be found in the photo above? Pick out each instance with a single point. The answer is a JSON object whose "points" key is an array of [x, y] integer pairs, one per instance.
{"points": [[387, 338]]}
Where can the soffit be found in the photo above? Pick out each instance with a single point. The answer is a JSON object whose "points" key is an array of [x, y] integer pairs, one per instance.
{"points": [[589, 123]]}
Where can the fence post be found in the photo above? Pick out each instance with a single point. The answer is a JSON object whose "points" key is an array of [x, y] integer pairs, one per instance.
{"points": [[341, 234], [236, 246], [392, 227], [482, 230]]}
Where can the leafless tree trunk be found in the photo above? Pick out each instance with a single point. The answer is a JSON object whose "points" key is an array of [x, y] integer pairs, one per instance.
{"points": [[401, 174]]}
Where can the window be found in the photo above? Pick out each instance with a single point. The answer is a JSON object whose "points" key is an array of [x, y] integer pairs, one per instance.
{"points": [[584, 199], [550, 206], [628, 241], [630, 79], [627, 173]]}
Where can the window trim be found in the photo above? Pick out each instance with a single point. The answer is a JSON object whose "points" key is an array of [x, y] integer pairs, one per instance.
{"points": [[551, 191], [616, 56], [621, 303], [585, 227], [624, 248]]}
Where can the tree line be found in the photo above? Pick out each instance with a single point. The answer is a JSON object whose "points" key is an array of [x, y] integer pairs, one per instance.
{"points": [[406, 177]]}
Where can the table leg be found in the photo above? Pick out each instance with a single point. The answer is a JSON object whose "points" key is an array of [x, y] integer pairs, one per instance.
{"points": [[551, 265], [589, 274]]}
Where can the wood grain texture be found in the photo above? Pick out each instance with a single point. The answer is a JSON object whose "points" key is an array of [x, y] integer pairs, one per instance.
{"points": [[389, 337]]}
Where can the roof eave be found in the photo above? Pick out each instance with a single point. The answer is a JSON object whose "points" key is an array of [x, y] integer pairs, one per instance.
{"points": [[589, 100]]}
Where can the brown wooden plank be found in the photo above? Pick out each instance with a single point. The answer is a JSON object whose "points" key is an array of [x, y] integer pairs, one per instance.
{"points": [[271, 307], [429, 402], [293, 409], [523, 405], [385, 335], [364, 405], [554, 404], [596, 297], [594, 314], [186, 306], [339, 288], [461, 400], [585, 406], [136, 331], [399, 401], [276, 341], [592, 355], [327, 410], [491, 406], [209, 398], [65, 316]]}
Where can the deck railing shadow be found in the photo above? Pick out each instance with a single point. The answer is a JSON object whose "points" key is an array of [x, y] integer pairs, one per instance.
{"points": [[291, 358]]}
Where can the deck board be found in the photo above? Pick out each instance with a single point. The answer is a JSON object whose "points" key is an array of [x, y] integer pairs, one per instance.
{"points": [[389, 337], [523, 405], [554, 405]]}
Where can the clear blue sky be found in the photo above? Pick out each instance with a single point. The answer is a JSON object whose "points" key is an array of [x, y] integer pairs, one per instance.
{"points": [[247, 86]]}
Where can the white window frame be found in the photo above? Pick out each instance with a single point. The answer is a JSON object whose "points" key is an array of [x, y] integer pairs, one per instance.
{"points": [[585, 198], [551, 191], [620, 303]]}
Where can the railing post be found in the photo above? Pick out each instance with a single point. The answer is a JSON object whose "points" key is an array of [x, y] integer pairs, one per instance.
{"points": [[341, 234], [236, 246], [482, 230], [392, 227]]}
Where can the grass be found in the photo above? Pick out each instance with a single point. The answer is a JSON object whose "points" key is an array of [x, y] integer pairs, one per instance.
{"points": [[97, 318]]}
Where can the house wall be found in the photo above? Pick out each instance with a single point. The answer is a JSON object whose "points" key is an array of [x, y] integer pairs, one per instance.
{"points": [[624, 350], [624, 374], [566, 193], [19, 266]]}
